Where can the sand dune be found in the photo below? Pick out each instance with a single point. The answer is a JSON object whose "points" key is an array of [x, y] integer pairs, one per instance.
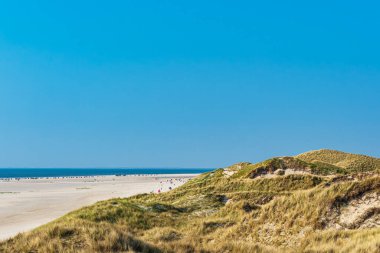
{"points": [[29, 203]]}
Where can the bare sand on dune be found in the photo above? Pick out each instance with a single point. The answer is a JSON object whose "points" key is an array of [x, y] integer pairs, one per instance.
{"points": [[28, 203]]}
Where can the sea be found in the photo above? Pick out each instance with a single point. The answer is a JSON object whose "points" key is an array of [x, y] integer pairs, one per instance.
{"points": [[72, 172]]}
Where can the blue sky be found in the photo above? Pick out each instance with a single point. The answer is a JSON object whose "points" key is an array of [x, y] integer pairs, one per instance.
{"points": [[185, 83]]}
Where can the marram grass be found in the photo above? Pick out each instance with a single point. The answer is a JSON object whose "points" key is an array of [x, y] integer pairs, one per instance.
{"points": [[252, 210]]}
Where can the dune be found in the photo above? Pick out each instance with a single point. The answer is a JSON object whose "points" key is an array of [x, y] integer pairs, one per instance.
{"points": [[318, 201]]}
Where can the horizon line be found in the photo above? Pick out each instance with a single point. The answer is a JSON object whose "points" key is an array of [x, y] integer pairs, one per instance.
{"points": [[105, 168]]}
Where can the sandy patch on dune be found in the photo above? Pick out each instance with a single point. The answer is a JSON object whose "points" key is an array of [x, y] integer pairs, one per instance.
{"points": [[360, 212]]}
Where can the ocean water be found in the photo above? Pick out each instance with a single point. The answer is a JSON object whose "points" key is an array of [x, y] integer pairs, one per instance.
{"points": [[30, 173]]}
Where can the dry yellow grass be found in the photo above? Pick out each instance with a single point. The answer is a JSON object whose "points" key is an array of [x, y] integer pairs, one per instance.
{"points": [[352, 162], [219, 213]]}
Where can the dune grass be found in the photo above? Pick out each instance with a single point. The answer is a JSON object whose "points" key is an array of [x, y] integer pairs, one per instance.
{"points": [[219, 213], [350, 162]]}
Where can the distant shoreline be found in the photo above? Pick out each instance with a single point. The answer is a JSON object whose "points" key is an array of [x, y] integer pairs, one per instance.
{"points": [[16, 174], [5, 179]]}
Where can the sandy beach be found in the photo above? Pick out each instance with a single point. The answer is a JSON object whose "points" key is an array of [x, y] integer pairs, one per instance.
{"points": [[28, 203]]}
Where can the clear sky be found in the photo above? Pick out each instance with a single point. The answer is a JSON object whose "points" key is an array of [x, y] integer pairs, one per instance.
{"points": [[186, 83]]}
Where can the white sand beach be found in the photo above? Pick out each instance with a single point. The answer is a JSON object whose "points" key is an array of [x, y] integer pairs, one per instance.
{"points": [[28, 203]]}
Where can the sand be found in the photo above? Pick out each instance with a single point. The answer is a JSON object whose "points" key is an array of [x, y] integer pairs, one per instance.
{"points": [[28, 203]]}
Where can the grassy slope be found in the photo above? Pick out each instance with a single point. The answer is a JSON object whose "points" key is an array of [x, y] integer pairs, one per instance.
{"points": [[216, 213], [351, 162]]}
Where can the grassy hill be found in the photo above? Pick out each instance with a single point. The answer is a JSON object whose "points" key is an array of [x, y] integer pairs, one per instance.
{"points": [[351, 162], [320, 201]]}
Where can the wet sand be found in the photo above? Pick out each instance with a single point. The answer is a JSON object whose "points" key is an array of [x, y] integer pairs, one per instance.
{"points": [[28, 203]]}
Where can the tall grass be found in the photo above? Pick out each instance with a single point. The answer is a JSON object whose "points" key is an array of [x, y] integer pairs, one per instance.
{"points": [[214, 213]]}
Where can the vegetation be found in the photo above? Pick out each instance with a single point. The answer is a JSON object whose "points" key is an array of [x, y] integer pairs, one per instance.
{"points": [[350, 162], [321, 201]]}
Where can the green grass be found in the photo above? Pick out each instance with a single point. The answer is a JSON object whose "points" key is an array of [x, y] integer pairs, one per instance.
{"points": [[350, 162], [218, 213]]}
